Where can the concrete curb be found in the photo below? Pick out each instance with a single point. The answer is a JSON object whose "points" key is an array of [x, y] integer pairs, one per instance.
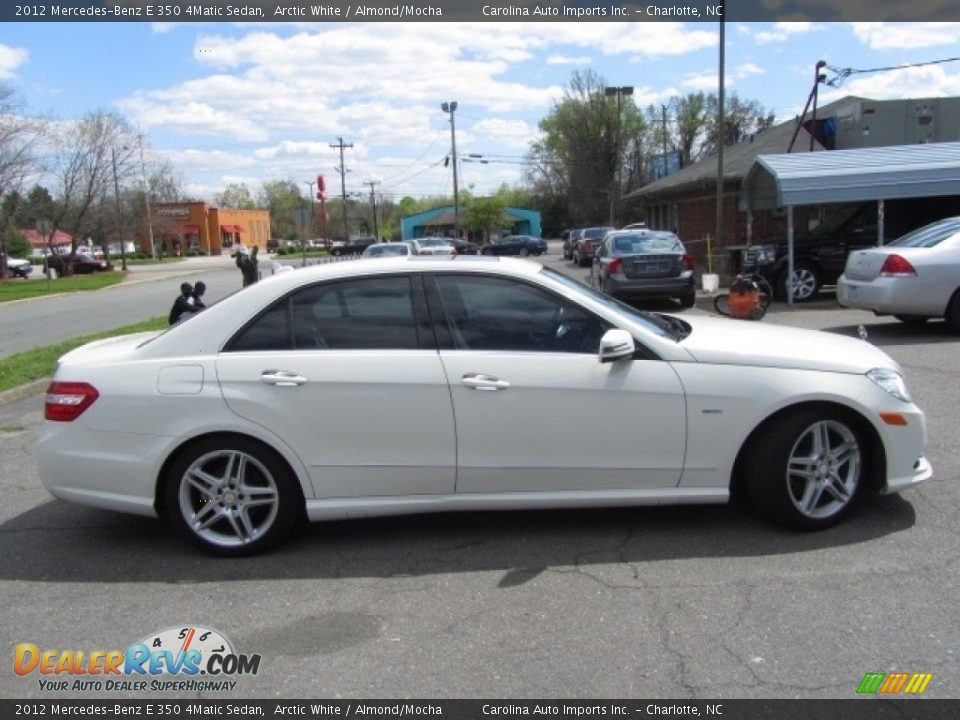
{"points": [[22, 392]]}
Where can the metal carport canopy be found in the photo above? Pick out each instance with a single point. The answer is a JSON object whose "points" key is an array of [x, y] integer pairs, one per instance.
{"points": [[838, 176]]}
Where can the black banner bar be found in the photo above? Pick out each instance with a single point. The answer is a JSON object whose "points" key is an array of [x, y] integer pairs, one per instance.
{"points": [[479, 10], [865, 708]]}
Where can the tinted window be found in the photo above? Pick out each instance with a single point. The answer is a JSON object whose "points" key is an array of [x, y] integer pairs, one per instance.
{"points": [[371, 313], [488, 313], [270, 331], [929, 235]]}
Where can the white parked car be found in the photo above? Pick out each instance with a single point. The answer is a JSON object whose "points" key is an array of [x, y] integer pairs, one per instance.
{"points": [[258, 411], [432, 246], [914, 278]]}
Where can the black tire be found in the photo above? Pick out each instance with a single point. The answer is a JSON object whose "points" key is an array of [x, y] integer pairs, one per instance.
{"points": [[952, 315], [253, 499], [524, 252], [808, 282], [689, 299], [821, 486], [337, 253], [486, 251]]}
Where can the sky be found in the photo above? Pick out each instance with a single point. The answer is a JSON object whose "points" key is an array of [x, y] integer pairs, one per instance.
{"points": [[231, 103]]}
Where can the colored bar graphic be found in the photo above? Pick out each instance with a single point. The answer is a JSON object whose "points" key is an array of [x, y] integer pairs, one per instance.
{"points": [[893, 683]]}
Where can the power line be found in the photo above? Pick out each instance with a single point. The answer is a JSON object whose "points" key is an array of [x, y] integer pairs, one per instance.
{"points": [[843, 73]]}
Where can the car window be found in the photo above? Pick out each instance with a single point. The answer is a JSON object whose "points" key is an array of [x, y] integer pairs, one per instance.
{"points": [[362, 314], [493, 313], [648, 243], [929, 235]]}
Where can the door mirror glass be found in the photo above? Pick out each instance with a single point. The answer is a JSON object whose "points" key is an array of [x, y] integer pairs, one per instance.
{"points": [[616, 344]]}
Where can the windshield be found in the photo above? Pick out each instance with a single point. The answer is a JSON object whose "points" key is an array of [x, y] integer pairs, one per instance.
{"points": [[929, 235], [661, 325]]}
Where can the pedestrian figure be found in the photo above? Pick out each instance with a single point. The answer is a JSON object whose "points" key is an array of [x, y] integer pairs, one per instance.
{"points": [[198, 290], [248, 266], [183, 305]]}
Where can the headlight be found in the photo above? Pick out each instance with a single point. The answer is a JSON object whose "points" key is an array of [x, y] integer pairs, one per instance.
{"points": [[891, 381]]}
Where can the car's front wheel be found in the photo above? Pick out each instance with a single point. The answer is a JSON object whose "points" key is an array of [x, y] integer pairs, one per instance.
{"points": [[806, 282], [231, 495], [809, 473], [524, 252]]}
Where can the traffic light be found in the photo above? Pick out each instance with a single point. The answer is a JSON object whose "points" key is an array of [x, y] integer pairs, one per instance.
{"points": [[321, 187]]}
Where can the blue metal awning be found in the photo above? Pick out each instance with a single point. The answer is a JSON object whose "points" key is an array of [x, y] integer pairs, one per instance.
{"points": [[844, 176]]}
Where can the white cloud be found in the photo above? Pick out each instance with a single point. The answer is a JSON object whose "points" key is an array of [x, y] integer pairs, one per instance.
{"points": [[781, 31], [565, 60], [906, 35], [11, 58], [747, 69], [514, 134]]}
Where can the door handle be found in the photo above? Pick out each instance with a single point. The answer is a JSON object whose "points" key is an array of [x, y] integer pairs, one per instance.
{"points": [[478, 381], [282, 378]]}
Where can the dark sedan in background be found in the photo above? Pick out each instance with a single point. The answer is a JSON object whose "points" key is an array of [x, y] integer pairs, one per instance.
{"points": [[634, 264], [81, 264], [587, 243], [522, 245]]}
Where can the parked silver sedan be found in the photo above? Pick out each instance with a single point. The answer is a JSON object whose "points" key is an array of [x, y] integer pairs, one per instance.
{"points": [[914, 278], [632, 264]]}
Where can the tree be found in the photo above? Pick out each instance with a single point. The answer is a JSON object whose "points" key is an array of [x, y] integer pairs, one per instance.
{"points": [[283, 199], [588, 139], [237, 196], [86, 157], [16, 244], [485, 214], [18, 137], [740, 119]]}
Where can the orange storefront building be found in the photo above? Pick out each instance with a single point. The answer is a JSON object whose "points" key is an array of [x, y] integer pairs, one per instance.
{"points": [[198, 227]]}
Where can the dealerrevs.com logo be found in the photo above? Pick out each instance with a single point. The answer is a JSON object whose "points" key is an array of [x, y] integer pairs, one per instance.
{"points": [[185, 658]]}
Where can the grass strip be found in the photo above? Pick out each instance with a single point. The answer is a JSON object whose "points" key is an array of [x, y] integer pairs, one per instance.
{"points": [[19, 289], [40, 362]]}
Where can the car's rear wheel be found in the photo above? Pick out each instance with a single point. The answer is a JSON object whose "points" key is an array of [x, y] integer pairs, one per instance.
{"points": [[524, 252], [809, 473], [952, 315], [689, 299], [231, 495], [806, 282]]}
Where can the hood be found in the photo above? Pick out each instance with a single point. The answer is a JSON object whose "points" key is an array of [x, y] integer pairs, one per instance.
{"points": [[724, 341]]}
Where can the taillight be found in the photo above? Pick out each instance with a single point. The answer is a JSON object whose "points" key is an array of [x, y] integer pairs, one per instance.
{"points": [[614, 265], [897, 266], [66, 401], [687, 261]]}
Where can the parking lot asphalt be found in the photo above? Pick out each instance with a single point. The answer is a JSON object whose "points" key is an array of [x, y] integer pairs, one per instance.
{"points": [[679, 602]]}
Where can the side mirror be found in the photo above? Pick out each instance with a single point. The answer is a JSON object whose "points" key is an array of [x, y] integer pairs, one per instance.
{"points": [[615, 345]]}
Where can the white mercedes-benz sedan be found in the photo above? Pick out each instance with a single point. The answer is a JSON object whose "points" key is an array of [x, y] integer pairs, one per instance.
{"points": [[416, 385]]}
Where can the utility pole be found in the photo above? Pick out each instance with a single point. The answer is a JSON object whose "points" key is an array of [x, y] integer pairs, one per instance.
{"points": [[721, 136], [343, 184], [373, 206], [619, 92], [303, 247], [451, 108], [116, 192], [146, 196]]}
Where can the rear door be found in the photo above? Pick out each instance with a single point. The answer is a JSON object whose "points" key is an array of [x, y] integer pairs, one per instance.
{"points": [[348, 375]]}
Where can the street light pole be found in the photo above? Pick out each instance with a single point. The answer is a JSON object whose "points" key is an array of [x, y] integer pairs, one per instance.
{"points": [[451, 108], [615, 191], [116, 191]]}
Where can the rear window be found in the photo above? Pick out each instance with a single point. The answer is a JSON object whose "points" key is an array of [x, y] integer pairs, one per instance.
{"points": [[929, 235], [648, 243]]}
